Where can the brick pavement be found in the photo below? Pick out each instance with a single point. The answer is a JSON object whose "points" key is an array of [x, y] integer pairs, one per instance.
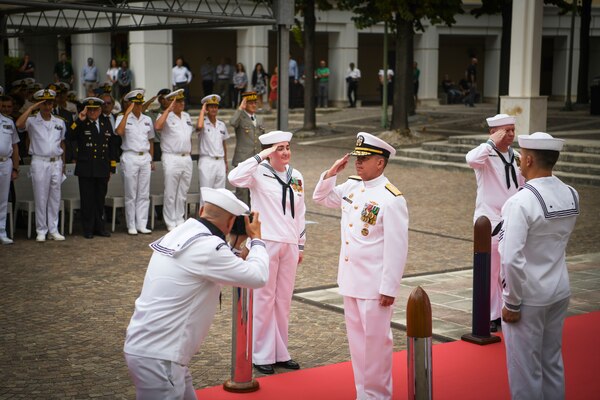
{"points": [[66, 305]]}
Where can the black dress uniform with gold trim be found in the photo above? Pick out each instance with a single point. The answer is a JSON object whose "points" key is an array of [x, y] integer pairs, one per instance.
{"points": [[96, 159]]}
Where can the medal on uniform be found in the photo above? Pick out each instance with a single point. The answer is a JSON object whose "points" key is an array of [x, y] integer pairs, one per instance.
{"points": [[364, 231], [369, 213]]}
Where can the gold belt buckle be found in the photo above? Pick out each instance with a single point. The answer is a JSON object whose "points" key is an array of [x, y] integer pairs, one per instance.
{"points": [[52, 159], [141, 153]]}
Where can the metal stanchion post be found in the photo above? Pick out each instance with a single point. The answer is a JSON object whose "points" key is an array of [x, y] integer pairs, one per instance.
{"points": [[481, 284], [419, 331], [241, 344]]}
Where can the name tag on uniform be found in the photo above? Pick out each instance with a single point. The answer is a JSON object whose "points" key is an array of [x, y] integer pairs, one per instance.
{"points": [[107, 134], [189, 123], [347, 199], [87, 133], [222, 132], [58, 127]]}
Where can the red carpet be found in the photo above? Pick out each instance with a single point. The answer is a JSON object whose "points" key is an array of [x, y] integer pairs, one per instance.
{"points": [[460, 371]]}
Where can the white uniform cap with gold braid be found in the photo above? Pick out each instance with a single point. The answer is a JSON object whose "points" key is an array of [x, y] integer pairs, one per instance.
{"points": [[275, 137], [367, 144], [45, 94], [500, 120], [224, 199], [540, 141], [211, 99], [176, 94], [92, 102], [135, 96]]}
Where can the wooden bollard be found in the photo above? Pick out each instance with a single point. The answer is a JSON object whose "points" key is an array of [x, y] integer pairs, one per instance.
{"points": [[241, 344], [419, 331], [482, 246]]}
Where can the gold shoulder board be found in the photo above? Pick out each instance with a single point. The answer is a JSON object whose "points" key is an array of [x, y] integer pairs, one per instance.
{"points": [[355, 178], [74, 125], [393, 190]]}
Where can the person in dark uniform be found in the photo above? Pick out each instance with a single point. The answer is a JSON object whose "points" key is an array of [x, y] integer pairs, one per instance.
{"points": [[96, 160]]}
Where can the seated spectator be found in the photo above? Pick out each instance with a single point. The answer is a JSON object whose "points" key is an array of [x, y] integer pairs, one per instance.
{"points": [[452, 90]]}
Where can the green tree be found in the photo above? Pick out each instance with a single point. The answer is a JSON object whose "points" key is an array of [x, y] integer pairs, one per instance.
{"points": [[404, 17]]}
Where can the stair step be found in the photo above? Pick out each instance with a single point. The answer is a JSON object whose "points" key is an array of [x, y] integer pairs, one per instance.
{"points": [[417, 162], [423, 154], [578, 168], [572, 145], [584, 158], [445, 146], [577, 179]]}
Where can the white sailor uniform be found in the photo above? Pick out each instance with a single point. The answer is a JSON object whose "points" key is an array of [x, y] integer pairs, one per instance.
{"points": [[8, 138], [211, 151], [284, 234], [498, 177], [45, 139], [374, 229], [176, 145], [177, 305], [135, 163], [538, 222]]}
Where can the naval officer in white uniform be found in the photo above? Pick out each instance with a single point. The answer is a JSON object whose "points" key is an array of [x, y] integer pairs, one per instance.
{"points": [[9, 165], [374, 231], [212, 151], [47, 148], [176, 127], [137, 132], [496, 166], [277, 192], [181, 292], [538, 222]]}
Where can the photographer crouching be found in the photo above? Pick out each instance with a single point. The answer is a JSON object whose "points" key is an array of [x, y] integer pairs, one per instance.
{"points": [[181, 290]]}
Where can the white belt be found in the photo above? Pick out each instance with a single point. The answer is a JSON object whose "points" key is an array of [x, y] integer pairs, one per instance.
{"points": [[2, 159], [50, 159], [212, 157], [178, 154]]}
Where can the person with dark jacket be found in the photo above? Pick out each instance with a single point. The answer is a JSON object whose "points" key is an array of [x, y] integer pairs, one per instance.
{"points": [[96, 160]]}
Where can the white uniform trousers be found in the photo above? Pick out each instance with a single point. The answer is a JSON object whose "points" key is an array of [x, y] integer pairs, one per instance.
{"points": [[160, 379], [46, 176], [178, 176], [136, 178], [534, 352], [272, 305], [496, 302], [371, 347], [5, 175], [211, 173]]}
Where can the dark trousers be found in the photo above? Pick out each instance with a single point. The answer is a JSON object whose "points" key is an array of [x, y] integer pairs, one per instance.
{"points": [[352, 89], [92, 192], [207, 87]]}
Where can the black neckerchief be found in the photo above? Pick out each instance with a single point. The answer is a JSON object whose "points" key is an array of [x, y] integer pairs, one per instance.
{"points": [[284, 186], [509, 168], [212, 228]]}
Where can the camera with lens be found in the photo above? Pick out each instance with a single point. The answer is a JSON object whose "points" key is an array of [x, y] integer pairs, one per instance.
{"points": [[239, 226]]}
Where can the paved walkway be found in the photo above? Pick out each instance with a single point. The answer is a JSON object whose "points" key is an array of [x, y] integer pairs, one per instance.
{"points": [[66, 305]]}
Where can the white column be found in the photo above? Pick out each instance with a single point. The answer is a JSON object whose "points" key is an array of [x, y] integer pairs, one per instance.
{"points": [[343, 49], [151, 60], [83, 46], [492, 68], [523, 100], [427, 56], [252, 48]]}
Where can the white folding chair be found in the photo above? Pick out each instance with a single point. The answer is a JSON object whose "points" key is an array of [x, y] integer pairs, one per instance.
{"points": [[70, 194], [193, 196], [157, 190], [24, 193], [115, 195]]}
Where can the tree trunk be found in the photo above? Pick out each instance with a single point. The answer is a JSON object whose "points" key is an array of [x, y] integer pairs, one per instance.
{"points": [[505, 51], [310, 116], [403, 83], [584, 52]]}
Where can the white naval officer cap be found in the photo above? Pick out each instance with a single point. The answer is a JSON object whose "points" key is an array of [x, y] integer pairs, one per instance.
{"points": [[367, 144], [500, 120], [540, 141], [224, 199], [176, 95], [44, 94], [211, 99], [274, 137], [135, 96]]}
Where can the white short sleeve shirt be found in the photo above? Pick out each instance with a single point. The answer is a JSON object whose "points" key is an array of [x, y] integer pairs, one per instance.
{"points": [[211, 138], [138, 132], [45, 137]]}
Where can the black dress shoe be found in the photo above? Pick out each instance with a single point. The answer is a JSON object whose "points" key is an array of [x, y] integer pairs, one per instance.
{"points": [[495, 325], [266, 369], [102, 233], [289, 364], [88, 236]]}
